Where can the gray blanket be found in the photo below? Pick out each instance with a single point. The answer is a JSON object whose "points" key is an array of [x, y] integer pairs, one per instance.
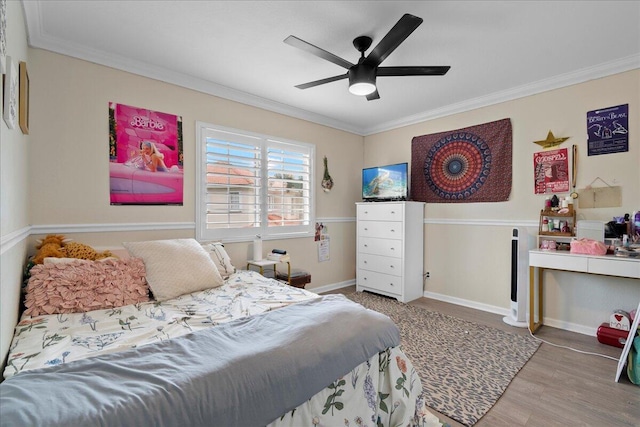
{"points": [[246, 372]]}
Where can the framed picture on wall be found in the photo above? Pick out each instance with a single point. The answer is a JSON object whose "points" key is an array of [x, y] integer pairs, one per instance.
{"points": [[24, 98], [3, 36], [10, 112]]}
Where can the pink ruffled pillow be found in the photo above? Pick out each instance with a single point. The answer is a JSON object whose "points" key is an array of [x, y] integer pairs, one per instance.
{"points": [[80, 286]]}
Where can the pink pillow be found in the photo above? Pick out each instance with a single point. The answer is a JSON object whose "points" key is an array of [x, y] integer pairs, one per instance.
{"points": [[80, 285], [588, 247]]}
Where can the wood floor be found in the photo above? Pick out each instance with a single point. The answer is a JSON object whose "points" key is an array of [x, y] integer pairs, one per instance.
{"points": [[557, 387]]}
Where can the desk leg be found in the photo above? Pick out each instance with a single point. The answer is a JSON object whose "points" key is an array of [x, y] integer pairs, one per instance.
{"points": [[533, 325]]}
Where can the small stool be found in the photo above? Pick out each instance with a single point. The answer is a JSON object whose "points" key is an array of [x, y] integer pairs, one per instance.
{"points": [[297, 278]]}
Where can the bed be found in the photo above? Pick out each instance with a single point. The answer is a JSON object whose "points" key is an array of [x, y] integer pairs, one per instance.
{"points": [[208, 345]]}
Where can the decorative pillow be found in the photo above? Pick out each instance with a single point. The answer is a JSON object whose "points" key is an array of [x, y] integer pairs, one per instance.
{"points": [[220, 258], [176, 267], [54, 260], [80, 285]]}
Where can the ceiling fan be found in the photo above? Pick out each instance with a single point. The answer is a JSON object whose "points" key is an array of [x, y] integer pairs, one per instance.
{"points": [[362, 76]]}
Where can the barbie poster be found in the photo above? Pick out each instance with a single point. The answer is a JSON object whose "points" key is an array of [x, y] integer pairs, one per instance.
{"points": [[145, 156]]}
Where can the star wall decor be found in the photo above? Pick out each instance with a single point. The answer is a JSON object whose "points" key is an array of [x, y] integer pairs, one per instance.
{"points": [[551, 141]]}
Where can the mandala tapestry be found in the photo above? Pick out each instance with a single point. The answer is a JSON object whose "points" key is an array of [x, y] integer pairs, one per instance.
{"points": [[463, 166]]}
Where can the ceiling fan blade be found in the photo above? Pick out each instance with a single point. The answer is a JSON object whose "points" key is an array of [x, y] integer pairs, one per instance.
{"points": [[314, 50], [323, 81], [413, 71], [405, 26], [373, 96]]}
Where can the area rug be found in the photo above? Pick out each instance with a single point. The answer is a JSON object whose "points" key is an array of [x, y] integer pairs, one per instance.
{"points": [[464, 367]]}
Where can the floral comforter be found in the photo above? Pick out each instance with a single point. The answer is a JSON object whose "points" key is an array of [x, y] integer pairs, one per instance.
{"points": [[385, 390]]}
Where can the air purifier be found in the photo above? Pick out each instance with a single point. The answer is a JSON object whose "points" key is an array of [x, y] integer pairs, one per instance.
{"points": [[519, 278]]}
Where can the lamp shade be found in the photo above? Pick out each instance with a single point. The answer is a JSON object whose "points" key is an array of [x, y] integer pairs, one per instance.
{"points": [[362, 80]]}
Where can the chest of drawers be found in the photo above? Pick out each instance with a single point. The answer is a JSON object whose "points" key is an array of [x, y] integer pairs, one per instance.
{"points": [[390, 250]]}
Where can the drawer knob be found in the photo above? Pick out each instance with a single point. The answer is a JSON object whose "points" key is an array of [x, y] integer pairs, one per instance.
{"points": [[393, 249], [393, 212], [366, 229], [391, 266], [393, 231], [391, 284], [366, 246], [365, 262]]}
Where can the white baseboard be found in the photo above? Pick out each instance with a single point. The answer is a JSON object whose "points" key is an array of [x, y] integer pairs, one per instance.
{"points": [[467, 303], [333, 286], [554, 323]]}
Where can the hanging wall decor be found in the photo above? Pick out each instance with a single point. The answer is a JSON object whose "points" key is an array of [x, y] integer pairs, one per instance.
{"points": [[467, 165], [551, 141], [3, 36], [608, 130], [10, 112], [551, 171], [24, 98], [145, 156], [327, 181]]}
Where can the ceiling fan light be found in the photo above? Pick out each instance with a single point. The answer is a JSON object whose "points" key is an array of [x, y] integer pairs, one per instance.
{"points": [[362, 89], [362, 80]]}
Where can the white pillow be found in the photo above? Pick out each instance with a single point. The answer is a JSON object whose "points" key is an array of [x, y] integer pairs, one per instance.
{"points": [[175, 267], [220, 258]]}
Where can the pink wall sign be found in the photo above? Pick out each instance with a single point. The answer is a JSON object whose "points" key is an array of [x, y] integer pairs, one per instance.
{"points": [[145, 156], [551, 171]]}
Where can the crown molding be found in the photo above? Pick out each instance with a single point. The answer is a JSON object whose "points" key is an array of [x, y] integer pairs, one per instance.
{"points": [[599, 71], [38, 39]]}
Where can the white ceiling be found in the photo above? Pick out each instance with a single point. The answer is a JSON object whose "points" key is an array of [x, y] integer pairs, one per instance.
{"points": [[497, 50]]}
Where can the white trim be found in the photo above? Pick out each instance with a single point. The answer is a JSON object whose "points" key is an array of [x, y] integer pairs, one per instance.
{"points": [[467, 303], [10, 240], [151, 226], [483, 222], [38, 39], [567, 326], [560, 324], [336, 219], [103, 228], [333, 286], [591, 73]]}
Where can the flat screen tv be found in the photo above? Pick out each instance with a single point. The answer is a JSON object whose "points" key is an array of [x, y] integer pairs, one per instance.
{"points": [[382, 183]]}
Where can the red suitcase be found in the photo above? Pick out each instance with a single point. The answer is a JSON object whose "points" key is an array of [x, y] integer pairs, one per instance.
{"points": [[612, 336]]}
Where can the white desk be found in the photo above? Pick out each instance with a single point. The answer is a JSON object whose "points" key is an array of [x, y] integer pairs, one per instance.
{"points": [[608, 265]]}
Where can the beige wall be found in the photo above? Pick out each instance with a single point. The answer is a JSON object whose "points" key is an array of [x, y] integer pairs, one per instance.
{"points": [[69, 162], [65, 161], [467, 246], [14, 197]]}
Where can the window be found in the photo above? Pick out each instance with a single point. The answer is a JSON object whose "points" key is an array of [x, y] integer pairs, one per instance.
{"points": [[234, 201], [250, 184]]}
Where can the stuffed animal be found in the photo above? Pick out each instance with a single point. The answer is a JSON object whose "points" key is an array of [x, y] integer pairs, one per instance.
{"points": [[82, 251], [57, 246], [50, 246]]}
